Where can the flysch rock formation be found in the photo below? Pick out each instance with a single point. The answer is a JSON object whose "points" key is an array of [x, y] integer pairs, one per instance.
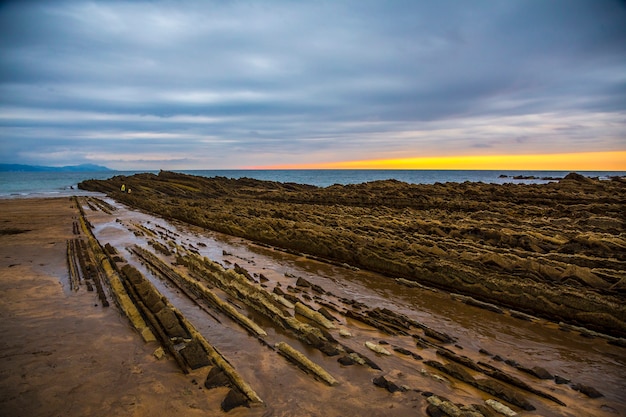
{"points": [[509, 253], [555, 250]]}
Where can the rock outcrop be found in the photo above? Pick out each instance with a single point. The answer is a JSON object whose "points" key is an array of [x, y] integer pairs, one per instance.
{"points": [[555, 250]]}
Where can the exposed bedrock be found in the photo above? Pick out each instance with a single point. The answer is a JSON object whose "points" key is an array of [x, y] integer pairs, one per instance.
{"points": [[555, 250]]}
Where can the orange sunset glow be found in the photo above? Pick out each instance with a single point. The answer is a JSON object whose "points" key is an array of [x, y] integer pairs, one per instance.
{"points": [[584, 161]]}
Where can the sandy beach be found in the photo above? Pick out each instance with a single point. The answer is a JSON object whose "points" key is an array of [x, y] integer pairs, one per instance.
{"points": [[62, 353], [382, 347]]}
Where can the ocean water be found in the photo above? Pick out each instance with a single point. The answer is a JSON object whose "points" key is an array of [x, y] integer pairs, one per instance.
{"points": [[48, 184], [325, 178], [59, 184]]}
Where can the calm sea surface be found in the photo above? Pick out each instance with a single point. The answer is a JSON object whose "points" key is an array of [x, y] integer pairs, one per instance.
{"points": [[57, 184]]}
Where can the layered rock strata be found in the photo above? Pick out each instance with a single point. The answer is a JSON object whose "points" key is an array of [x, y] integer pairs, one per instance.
{"points": [[556, 250]]}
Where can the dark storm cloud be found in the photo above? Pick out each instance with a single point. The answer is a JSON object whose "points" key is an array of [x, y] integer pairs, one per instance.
{"points": [[227, 84]]}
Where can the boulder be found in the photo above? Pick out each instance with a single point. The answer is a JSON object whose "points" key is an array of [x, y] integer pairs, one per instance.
{"points": [[328, 349], [402, 350], [358, 359], [170, 323], [301, 282], [450, 409], [560, 380], [504, 393], [216, 378], [433, 411], [318, 289], [574, 176], [195, 355], [159, 353], [459, 372], [440, 336], [453, 370], [324, 312], [541, 373], [234, 399], [500, 408], [291, 298], [377, 348], [590, 392], [344, 333], [382, 382], [346, 360], [536, 371]]}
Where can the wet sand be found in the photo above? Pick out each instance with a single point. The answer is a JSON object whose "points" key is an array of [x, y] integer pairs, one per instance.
{"points": [[62, 353], [65, 354]]}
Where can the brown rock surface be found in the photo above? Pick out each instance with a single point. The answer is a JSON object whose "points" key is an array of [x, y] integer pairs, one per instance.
{"points": [[556, 250], [62, 355]]}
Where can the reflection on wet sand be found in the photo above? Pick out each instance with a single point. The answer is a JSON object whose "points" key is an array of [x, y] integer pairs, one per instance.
{"points": [[392, 349]]}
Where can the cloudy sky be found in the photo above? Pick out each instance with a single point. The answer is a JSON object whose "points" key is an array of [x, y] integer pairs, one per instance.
{"points": [[240, 84]]}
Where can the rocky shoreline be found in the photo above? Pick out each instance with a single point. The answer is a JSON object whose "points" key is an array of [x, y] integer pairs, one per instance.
{"points": [[555, 250], [252, 329]]}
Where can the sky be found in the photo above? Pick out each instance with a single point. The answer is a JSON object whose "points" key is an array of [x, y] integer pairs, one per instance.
{"points": [[481, 84]]}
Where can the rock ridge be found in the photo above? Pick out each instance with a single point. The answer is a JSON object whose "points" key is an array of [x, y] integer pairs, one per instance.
{"points": [[555, 250]]}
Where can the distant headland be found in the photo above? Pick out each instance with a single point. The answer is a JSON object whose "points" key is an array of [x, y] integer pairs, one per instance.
{"points": [[40, 168]]}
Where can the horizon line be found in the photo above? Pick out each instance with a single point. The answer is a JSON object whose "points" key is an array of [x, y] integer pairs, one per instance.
{"points": [[574, 161]]}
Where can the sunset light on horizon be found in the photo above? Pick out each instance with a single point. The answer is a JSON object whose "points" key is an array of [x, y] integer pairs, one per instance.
{"points": [[583, 161], [210, 85]]}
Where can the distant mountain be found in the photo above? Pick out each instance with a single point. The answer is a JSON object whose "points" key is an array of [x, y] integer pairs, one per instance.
{"points": [[39, 168]]}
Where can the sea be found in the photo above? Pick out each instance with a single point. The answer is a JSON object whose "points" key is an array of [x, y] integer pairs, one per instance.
{"points": [[60, 184]]}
